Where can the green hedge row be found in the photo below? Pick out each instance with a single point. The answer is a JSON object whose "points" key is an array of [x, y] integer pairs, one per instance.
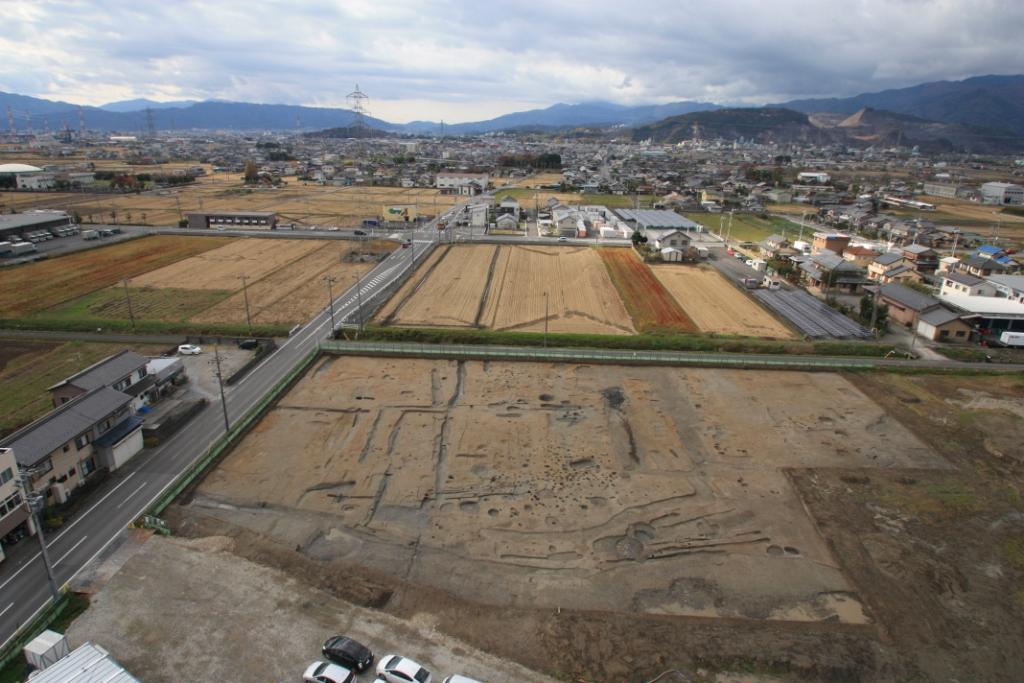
{"points": [[142, 327]]}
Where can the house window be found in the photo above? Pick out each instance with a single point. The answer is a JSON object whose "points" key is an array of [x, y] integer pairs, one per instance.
{"points": [[88, 466], [83, 440], [6, 476], [959, 333]]}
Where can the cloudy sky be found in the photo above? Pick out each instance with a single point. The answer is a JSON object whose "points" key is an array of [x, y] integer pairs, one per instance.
{"points": [[465, 61]]}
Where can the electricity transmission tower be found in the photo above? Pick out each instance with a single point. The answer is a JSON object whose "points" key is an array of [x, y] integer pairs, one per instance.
{"points": [[357, 101]]}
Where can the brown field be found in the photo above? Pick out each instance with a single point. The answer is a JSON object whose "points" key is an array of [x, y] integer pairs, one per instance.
{"points": [[649, 304], [35, 286], [296, 202], [715, 305], [503, 288], [297, 291], [538, 179]]}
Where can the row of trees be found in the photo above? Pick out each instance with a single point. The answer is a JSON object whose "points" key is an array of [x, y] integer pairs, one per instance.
{"points": [[546, 161]]}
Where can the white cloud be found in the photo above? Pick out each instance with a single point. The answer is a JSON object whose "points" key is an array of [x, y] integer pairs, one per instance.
{"points": [[469, 61]]}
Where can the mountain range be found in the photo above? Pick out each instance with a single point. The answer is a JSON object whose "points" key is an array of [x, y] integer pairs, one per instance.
{"points": [[993, 103]]}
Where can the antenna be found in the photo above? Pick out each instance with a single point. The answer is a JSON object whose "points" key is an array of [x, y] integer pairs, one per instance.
{"points": [[10, 120], [356, 101], [150, 123], [442, 127], [298, 123]]}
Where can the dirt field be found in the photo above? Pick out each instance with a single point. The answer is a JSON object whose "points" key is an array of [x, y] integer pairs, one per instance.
{"points": [[639, 491], [306, 204], [503, 287], [649, 304], [244, 622], [35, 286], [715, 305]]}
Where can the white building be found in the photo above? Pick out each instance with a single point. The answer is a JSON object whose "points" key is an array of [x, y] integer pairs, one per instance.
{"points": [[813, 177], [13, 510], [1002, 193], [462, 183]]}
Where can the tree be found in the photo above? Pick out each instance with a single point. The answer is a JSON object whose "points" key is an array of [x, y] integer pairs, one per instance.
{"points": [[881, 315], [252, 174]]}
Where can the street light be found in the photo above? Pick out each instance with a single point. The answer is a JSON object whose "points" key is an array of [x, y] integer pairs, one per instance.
{"points": [[35, 502], [545, 319], [330, 298]]}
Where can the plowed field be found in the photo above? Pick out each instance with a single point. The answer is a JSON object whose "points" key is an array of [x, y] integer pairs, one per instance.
{"points": [[715, 305], [648, 302], [509, 288]]}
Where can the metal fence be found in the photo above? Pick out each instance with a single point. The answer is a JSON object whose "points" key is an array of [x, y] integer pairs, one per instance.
{"points": [[583, 355]]}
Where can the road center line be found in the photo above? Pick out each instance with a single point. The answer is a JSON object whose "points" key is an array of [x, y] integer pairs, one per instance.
{"points": [[91, 508], [4, 611], [129, 496]]}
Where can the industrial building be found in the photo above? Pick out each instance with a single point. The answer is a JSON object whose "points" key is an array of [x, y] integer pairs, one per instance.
{"points": [[948, 190], [15, 227], [232, 219], [1002, 193], [658, 219]]}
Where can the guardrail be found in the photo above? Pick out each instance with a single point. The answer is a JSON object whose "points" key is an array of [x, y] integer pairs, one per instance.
{"points": [[582, 355], [225, 442]]}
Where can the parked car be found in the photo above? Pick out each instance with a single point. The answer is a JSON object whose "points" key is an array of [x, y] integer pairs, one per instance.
{"points": [[459, 678], [325, 672], [351, 653], [190, 350], [563, 239], [397, 669], [359, 232], [248, 344]]}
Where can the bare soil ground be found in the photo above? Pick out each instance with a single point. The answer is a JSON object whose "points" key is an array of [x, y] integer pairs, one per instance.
{"points": [[715, 305], [556, 513], [503, 287], [214, 617]]}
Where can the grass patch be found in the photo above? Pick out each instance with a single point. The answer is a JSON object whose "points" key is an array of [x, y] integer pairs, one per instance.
{"points": [[949, 498], [525, 196], [1013, 549], [148, 303], [748, 227], [642, 342], [976, 355]]}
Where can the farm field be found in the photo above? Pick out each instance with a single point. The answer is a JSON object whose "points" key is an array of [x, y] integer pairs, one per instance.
{"points": [[296, 202], [629, 500], [33, 287], [651, 306], [29, 367], [715, 305], [503, 287], [748, 227], [285, 280]]}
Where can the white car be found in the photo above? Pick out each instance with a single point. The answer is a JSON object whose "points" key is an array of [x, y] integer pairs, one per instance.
{"points": [[459, 678], [325, 672], [397, 669], [190, 350]]}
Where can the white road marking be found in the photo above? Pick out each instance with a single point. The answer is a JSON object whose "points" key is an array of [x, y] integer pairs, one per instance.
{"points": [[73, 548], [4, 611], [129, 496], [86, 513]]}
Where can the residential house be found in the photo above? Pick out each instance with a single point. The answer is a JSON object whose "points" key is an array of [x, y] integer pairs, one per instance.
{"points": [[775, 246], [922, 258], [508, 204], [14, 512], [905, 304], [965, 284], [507, 221], [834, 242], [981, 266], [861, 256], [124, 371], [883, 263], [828, 270], [1008, 286], [942, 324], [62, 449]]}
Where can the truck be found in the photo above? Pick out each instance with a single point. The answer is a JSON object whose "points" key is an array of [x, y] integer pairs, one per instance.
{"points": [[5, 248], [1008, 338], [19, 248], [90, 235]]}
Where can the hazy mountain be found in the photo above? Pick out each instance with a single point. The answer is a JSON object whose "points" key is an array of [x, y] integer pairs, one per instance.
{"points": [[142, 104], [569, 116], [993, 101], [866, 127]]}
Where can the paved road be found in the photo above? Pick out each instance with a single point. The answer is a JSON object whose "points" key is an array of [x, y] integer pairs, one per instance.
{"points": [[131, 490]]}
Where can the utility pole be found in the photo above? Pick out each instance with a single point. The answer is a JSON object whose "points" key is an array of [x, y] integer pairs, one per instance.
{"points": [[35, 503], [545, 319], [245, 294], [220, 383], [874, 310], [128, 299], [330, 298], [359, 301]]}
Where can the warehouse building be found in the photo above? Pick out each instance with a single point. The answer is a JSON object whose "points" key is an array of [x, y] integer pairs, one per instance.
{"points": [[14, 227], [232, 219], [658, 219], [1002, 193]]}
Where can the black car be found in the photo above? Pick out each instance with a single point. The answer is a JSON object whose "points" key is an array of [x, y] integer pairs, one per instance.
{"points": [[347, 652], [248, 344], [359, 232]]}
